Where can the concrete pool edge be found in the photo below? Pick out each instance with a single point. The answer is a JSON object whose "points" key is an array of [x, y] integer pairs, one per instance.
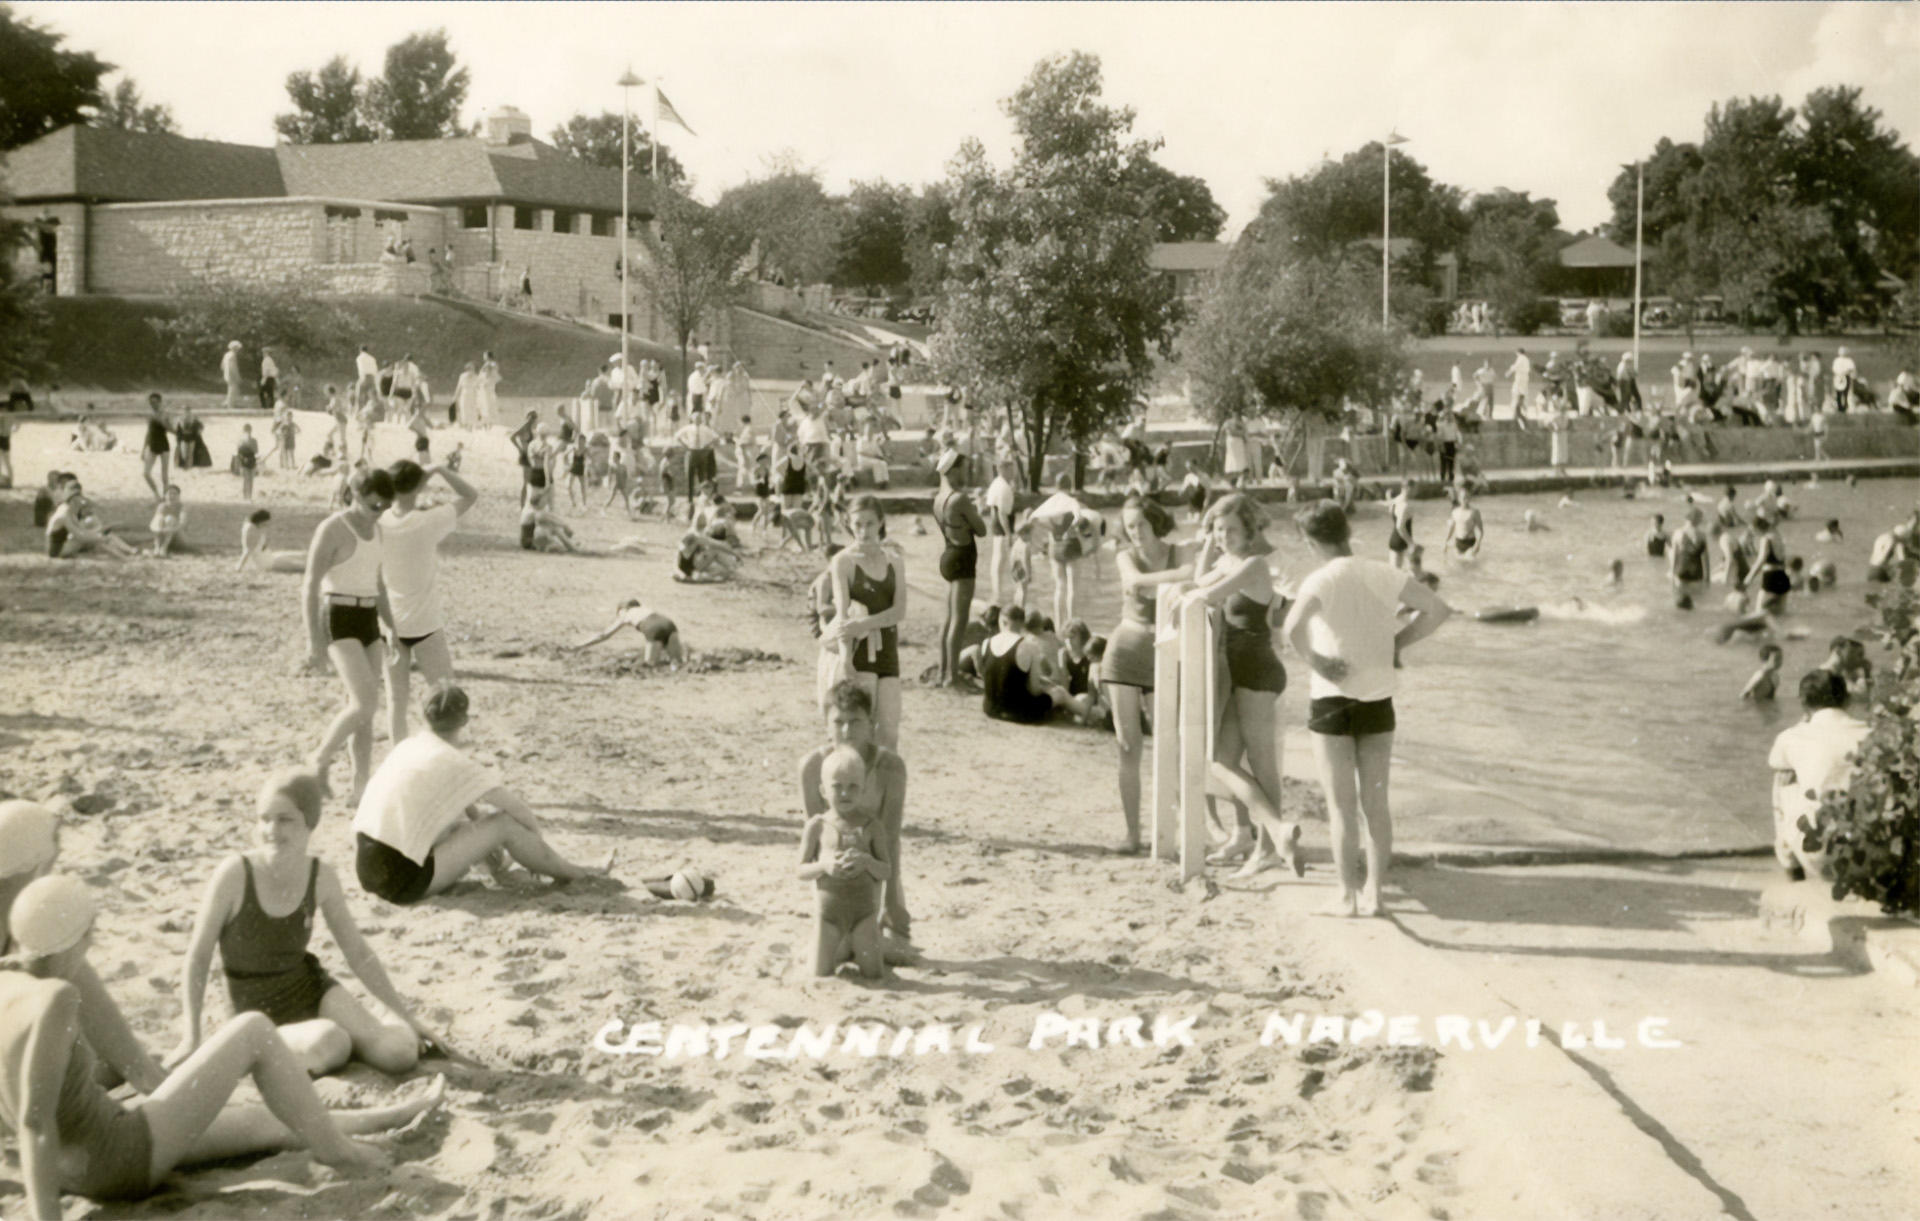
{"points": [[1851, 929]]}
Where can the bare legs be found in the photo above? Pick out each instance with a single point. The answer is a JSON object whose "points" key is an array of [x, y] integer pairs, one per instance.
{"points": [[997, 555], [189, 1122], [1127, 736], [1355, 773], [1063, 574], [1249, 729], [436, 666], [478, 841], [359, 669], [148, 461], [954, 630]]}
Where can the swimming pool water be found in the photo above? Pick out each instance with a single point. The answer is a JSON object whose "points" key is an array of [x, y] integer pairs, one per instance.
{"points": [[1620, 724]]}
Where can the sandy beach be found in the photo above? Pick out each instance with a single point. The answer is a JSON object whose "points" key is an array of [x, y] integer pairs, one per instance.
{"points": [[146, 699]]}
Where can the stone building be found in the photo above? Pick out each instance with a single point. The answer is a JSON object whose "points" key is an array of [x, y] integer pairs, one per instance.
{"points": [[126, 213]]}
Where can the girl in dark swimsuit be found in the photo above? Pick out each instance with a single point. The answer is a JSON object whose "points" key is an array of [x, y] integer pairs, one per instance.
{"points": [[155, 449], [870, 601], [1235, 576], [1770, 568], [960, 524], [1126, 672]]}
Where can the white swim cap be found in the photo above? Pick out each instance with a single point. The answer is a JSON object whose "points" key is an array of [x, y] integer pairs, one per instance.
{"points": [[26, 837], [52, 914]]}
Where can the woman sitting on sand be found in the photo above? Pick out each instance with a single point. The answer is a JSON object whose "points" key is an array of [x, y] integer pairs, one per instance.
{"points": [[419, 829], [265, 957], [870, 603], [74, 528], [1233, 575], [75, 1137], [1150, 560], [343, 604], [254, 552], [541, 529], [660, 633], [703, 559]]}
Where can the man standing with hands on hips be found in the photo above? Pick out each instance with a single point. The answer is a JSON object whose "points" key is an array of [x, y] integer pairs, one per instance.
{"points": [[410, 566]]}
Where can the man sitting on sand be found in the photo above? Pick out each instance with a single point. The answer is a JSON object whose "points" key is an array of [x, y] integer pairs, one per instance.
{"points": [[418, 830], [883, 791], [1808, 760]]}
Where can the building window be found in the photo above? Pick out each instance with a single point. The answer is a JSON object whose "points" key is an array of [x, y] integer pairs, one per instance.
{"points": [[524, 218], [562, 220], [602, 225], [383, 214], [334, 213], [473, 216]]}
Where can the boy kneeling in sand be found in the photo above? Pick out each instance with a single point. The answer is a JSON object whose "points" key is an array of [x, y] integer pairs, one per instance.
{"points": [[844, 857]]}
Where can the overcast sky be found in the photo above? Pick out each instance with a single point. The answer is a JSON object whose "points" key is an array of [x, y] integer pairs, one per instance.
{"points": [[1548, 98]]}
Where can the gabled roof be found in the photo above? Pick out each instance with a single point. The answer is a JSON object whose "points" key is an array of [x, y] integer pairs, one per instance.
{"points": [[1187, 256], [447, 171], [1596, 250], [108, 165]]}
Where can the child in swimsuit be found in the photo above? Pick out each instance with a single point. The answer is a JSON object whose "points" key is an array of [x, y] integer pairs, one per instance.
{"points": [[660, 633], [1766, 680], [169, 518], [1656, 538], [844, 858]]}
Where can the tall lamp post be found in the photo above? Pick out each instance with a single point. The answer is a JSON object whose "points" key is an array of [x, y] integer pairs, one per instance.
{"points": [[1386, 224], [1639, 225], [626, 82]]}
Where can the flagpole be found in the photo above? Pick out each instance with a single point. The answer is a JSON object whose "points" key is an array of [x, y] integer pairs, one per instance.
{"points": [[1639, 224], [1386, 228], [626, 82], [653, 170]]}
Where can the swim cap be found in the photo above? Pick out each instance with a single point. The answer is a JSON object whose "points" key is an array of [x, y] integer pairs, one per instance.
{"points": [[52, 914], [26, 837]]}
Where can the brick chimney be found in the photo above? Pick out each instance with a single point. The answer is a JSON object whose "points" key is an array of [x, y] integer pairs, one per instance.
{"points": [[505, 124]]}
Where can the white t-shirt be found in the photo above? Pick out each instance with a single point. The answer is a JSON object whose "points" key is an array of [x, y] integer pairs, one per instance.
{"points": [[697, 383], [366, 365], [410, 562], [696, 436], [1356, 622], [1000, 496], [1843, 369], [813, 428], [268, 368], [418, 791], [1817, 752]]}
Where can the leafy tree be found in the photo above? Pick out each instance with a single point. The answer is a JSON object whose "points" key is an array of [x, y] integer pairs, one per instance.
{"points": [[1784, 214], [595, 139], [24, 319], [1510, 249], [329, 107], [872, 249], [931, 232], [694, 263], [1181, 207], [1871, 832], [419, 94], [126, 110], [1289, 334], [1051, 305], [1335, 208], [294, 317], [790, 215], [42, 87]]}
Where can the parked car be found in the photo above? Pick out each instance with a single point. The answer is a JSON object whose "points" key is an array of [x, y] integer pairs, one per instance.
{"points": [[1573, 311]]}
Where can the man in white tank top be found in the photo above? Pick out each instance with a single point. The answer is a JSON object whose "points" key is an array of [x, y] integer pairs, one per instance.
{"points": [[410, 564]]}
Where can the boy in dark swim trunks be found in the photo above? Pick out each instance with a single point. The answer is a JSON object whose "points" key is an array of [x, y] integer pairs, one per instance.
{"points": [[844, 856], [660, 633]]}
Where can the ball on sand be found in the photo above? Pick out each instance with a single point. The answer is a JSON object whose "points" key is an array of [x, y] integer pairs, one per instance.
{"points": [[688, 885]]}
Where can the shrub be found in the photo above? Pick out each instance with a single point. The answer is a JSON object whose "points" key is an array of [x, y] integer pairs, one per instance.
{"points": [[289, 316], [1617, 324], [1871, 832], [1528, 318]]}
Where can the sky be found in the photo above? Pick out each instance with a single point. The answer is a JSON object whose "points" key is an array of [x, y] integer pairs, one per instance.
{"points": [[1546, 98]]}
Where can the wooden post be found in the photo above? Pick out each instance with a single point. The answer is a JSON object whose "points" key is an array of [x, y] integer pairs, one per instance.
{"points": [[1195, 736], [1163, 810]]}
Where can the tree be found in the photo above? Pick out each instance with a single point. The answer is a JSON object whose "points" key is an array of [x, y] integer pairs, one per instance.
{"points": [[1181, 207], [1510, 249], [1332, 210], [793, 219], [293, 317], [328, 106], [595, 139], [871, 252], [24, 319], [125, 110], [42, 87], [931, 232], [1288, 334], [1051, 305], [419, 95], [694, 263], [1783, 213]]}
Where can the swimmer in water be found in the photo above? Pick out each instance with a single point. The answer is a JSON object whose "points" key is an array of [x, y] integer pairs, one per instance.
{"points": [[1465, 530], [660, 633], [1766, 680], [1656, 537]]}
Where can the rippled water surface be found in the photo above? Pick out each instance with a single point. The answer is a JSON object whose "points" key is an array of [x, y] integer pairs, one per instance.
{"points": [[1620, 723]]}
